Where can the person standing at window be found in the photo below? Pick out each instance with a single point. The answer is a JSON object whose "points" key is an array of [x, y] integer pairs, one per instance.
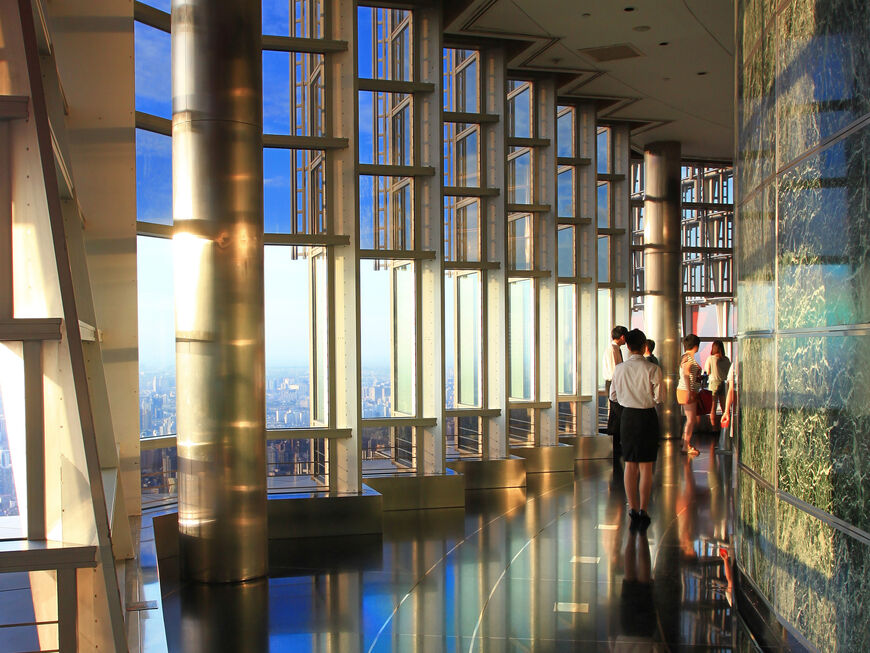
{"points": [[716, 366], [611, 358], [688, 388], [637, 387]]}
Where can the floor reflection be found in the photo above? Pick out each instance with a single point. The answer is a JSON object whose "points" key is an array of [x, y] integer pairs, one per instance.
{"points": [[553, 567]]}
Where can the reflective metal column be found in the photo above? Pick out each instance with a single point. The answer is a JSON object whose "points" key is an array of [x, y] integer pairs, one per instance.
{"points": [[662, 267], [218, 213]]}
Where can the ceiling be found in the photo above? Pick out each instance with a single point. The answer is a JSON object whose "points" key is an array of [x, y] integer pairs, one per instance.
{"points": [[677, 86]]}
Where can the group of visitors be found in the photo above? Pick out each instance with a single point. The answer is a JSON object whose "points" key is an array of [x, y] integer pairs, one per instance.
{"points": [[634, 389]]}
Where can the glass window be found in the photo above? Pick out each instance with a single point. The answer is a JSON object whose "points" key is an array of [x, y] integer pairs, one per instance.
{"points": [[565, 132], [13, 463], [385, 128], [565, 192], [461, 154], [153, 177], [520, 175], [288, 460], [603, 204], [464, 436], [521, 425], [520, 241], [277, 112], [461, 87], [521, 338], [388, 338], [153, 71], [386, 212], [159, 474], [463, 337], [605, 324], [294, 191], [566, 250], [156, 302], [520, 109], [461, 229], [296, 337], [388, 449], [384, 43], [567, 338], [568, 411], [603, 150], [603, 259]]}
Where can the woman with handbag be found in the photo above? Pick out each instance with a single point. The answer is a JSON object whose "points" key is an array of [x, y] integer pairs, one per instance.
{"points": [[688, 389]]}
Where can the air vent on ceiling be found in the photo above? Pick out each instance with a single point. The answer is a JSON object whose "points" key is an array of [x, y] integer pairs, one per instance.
{"points": [[611, 52]]}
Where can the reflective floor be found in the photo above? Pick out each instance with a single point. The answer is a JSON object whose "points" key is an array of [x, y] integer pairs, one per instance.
{"points": [[550, 568]]}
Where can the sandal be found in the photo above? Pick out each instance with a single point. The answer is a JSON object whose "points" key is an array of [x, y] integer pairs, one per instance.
{"points": [[691, 451]]}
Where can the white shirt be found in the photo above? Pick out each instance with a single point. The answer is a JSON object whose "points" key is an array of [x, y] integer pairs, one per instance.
{"points": [[637, 383], [612, 358]]}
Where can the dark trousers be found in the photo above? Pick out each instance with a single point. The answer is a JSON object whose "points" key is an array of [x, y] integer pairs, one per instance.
{"points": [[615, 410]]}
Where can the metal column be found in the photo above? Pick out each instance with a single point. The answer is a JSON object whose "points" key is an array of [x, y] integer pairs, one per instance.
{"points": [[217, 176], [662, 268]]}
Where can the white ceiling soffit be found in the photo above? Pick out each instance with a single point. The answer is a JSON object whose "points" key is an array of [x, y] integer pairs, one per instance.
{"points": [[677, 86]]}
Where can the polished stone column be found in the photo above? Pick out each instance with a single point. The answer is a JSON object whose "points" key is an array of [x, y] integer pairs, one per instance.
{"points": [[218, 244], [662, 268]]}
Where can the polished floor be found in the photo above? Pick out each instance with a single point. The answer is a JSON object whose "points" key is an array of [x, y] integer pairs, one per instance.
{"points": [[553, 567]]}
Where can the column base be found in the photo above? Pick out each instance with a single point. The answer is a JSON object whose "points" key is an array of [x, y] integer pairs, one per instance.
{"points": [[491, 474], [420, 492], [538, 460], [589, 447]]}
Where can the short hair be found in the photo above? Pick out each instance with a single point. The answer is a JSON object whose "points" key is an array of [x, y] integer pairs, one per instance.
{"points": [[718, 344], [635, 340], [691, 341], [651, 345], [617, 332]]}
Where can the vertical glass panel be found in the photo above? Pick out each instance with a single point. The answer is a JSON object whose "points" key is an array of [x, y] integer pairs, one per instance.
{"points": [[521, 338], [468, 338], [603, 259], [464, 436], [521, 426], [520, 241], [289, 321], [603, 204], [277, 111], [565, 132], [320, 339], [153, 72], [159, 474], [568, 411], [384, 43], [520, 111], [603, 150], [386, 212], [162, 5], [385, 128], [388, 449], [13, 455], [605, 324], [520, 175], [461, 229], [467, 149], [388, 338], [567, 337], [276, 17], [565, 192], [153, 177], [156, 302], [566, 251], [467, 89], [294, 193], [295, 464]]}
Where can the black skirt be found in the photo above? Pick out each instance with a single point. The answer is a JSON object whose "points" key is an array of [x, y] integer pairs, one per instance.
{"points": [[639, 428]]}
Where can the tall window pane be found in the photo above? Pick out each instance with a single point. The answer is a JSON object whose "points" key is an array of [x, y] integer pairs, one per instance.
{"points": [[153, 177], [603, 150], [156, 302], [153, 83], [605, 313], [603, 259], [566, 251], [565, 132], [520, 242], [386, 212], [567, 338], [461, 229], [520, 109], [519, 175], [521, 337], [603, 204], [13, 463], [565, 192], [468, 338]]}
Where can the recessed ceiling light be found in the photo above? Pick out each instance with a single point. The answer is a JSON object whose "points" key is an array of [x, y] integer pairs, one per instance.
{"points": [[664, 43], [586, 15], [641, 28], [703, 72], [629, 9], [667, 79]]}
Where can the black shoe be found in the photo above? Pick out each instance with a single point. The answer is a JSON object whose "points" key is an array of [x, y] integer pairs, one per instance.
{"points": [[644, 521], [635, 518]]}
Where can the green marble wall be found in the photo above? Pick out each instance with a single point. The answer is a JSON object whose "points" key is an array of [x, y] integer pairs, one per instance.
{"points": [[803, 293]]}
